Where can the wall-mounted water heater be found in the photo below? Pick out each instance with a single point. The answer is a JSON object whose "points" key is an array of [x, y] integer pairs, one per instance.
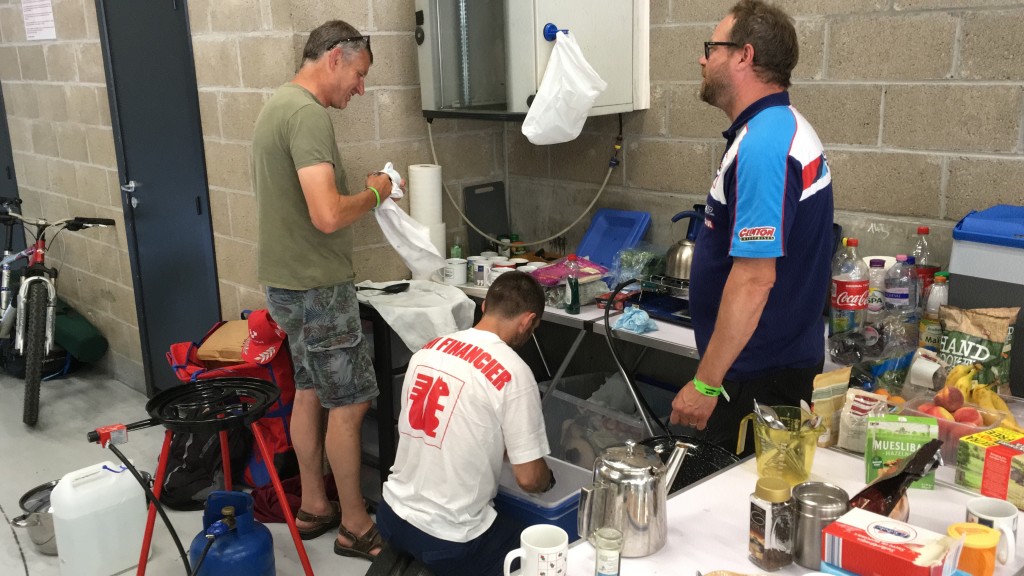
{"points": [[486, 58]]}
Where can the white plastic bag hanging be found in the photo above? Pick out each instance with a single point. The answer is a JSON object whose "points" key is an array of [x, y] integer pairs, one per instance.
{"points": [[567, 92]]}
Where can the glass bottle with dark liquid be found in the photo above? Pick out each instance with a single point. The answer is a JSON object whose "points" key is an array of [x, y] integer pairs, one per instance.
{"points": [[882, 495]]}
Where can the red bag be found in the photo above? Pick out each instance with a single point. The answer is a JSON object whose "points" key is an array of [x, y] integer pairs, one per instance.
{"points": [[274, 424]]}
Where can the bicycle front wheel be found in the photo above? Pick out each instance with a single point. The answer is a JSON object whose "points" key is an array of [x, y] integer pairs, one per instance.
{"points": [[35, 349]]}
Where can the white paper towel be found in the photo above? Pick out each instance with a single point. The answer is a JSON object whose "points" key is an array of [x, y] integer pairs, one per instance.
{"points": [[437, 238], [425, 194]]}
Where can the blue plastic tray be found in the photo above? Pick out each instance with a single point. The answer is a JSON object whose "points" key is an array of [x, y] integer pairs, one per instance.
{"points": [[610, 231], [1002, 225]]}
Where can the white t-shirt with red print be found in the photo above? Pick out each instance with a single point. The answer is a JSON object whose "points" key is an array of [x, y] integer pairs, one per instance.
{"points": [[466, 400]]}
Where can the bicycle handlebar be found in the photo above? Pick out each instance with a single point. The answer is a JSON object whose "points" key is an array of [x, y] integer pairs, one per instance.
{"points": [[8, 202], [95, 221], [74, 223]]}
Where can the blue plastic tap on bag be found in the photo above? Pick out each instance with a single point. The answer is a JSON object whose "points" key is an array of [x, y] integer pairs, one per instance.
{"points": [[635, 320]]}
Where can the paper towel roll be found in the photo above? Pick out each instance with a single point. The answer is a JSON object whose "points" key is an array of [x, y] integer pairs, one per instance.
{"points": [[425, 194], [437, 238]]}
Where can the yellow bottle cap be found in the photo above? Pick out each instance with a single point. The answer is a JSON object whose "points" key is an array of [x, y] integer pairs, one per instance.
{"points": [[975, 535]]}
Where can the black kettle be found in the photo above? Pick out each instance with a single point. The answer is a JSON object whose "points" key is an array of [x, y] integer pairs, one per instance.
{"points": [[680, 256]]}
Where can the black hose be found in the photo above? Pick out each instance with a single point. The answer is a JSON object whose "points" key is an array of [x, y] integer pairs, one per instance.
{"points": [[206, 549], [609, 335], [155, 502]]}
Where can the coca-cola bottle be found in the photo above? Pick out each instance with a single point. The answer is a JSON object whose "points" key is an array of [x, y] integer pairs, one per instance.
{"points": [[849, 293]]}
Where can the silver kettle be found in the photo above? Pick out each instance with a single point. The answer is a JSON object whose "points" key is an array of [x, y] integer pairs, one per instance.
{"points": [[680, 256], [629, 493]]}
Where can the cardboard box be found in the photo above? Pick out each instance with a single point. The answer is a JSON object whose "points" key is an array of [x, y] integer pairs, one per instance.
{"points": [[970, 453], [225, 344], [891, 438], [1003, 476], [869, 544]]}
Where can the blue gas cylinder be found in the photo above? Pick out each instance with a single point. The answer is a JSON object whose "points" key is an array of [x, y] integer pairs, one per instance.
{"points": [[244, 547]]}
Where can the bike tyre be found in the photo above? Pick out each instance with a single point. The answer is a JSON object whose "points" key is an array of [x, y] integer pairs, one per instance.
{"points": [[35, 349]]}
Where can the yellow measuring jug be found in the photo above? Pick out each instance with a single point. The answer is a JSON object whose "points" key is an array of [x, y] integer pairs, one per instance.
{"points": [[782, 453]]}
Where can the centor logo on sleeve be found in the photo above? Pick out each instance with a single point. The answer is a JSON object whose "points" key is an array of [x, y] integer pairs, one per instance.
{"points": [[757, 234]]}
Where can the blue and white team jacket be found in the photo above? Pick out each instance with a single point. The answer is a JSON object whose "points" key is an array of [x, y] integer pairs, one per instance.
{"points": [[771, 198]]}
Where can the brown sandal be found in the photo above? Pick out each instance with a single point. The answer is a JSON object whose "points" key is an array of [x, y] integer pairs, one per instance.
{"points": [[361, 546], [321, 524]]}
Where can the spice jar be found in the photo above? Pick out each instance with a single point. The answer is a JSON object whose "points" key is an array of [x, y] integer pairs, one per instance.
{"points": [[771, 524], [608, 550]]}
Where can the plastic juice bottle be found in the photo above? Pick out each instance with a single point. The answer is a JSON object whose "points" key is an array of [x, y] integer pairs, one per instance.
{"points": [[930, 334], [572, 285]]}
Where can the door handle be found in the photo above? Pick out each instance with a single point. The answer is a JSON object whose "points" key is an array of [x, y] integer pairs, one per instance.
{"points": [[129, 187]]}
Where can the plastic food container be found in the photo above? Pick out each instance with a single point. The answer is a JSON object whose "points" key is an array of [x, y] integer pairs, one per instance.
{"points": [[950, 431], [558, 506]]}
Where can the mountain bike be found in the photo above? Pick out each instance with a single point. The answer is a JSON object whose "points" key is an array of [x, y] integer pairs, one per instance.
{"points": [[31, 316]]}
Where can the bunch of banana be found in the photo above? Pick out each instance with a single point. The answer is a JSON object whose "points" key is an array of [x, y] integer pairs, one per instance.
{"points": [[960, 377], [987, 399], [956, 373]]}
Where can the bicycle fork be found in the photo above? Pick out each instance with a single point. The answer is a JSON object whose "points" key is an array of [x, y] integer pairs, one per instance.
{"points": [[22, 319], [6, 303]]}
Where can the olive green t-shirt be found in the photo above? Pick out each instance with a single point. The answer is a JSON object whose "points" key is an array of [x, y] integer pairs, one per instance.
{"points": [[294, 131]]}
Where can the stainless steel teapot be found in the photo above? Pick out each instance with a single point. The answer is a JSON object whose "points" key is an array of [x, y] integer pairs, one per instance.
{"points": [[629, 493], [680, 255]]}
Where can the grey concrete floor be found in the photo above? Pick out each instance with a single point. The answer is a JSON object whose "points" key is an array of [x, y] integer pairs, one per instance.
{"points": [[69, 408]]}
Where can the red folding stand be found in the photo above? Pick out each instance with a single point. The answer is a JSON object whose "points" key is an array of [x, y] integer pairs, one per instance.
{"points": [[158, 483]]}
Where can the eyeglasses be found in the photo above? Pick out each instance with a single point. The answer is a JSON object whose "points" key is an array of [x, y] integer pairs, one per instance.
{"points": [[363, 39], [708, 45]]}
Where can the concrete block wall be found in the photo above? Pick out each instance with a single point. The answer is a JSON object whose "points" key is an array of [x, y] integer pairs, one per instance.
{"points": [[59, 121], [58, 112], [920, 126], [919, 104]]}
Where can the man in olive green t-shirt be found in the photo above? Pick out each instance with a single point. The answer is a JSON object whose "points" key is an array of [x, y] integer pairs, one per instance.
{"points": [[305, 262]]}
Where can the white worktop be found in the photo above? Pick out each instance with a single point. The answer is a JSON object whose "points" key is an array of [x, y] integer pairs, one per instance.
{"points": [[708, 523]]}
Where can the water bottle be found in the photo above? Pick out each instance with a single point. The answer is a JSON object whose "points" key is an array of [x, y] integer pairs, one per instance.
{"points": [[876, 302], [849, 292], [921, 254], [918, 302], [572, 285], [930, 334], [901, 286]]}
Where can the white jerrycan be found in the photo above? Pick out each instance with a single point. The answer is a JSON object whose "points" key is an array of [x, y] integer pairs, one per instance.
{"points": [[99, 515]]}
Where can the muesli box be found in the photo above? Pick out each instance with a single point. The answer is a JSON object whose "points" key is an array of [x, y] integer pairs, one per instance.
{"points": [[1003, 476], [972, 451], [891, 438], [869, 544]]}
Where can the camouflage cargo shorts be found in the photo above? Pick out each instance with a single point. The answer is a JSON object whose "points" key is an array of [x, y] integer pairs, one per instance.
{"points": [[326, 340]]}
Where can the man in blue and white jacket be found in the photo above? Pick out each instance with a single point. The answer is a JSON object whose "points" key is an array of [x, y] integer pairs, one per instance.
{"points": [[761, 267]]}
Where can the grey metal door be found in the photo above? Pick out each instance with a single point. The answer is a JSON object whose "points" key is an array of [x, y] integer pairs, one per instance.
{"points": [[8, 181], [154, 108]]}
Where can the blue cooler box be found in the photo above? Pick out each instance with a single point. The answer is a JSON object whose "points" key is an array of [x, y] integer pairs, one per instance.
{"points": [[557, 506], [986, 270]]}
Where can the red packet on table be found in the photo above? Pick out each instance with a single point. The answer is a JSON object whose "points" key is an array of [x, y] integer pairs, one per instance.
{"points": [[556, 273]]}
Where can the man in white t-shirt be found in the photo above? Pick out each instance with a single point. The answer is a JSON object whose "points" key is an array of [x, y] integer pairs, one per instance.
{"points": [[467, 400]]}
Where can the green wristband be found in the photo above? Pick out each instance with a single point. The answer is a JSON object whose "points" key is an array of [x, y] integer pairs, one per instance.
{"points": [[375, 193], [710, 390]]}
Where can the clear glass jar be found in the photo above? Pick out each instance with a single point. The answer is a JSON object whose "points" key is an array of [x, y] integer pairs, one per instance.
{"points": [[608, 551], [772, 524]]}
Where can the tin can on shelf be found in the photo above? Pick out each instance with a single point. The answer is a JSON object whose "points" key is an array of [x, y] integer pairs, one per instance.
{"points": [[518, 248]]}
